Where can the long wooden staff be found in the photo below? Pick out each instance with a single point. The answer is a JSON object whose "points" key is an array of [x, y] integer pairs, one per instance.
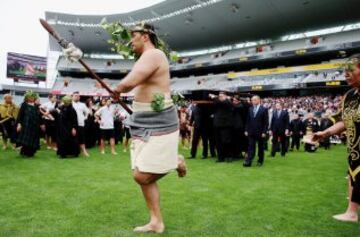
{"points": [[64, 44]]}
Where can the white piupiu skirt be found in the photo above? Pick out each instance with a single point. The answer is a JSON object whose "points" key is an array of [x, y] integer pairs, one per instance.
{"points": [[158, 155]]}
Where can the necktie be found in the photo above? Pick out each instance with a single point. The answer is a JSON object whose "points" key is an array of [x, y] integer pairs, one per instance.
{"points": [[255, 110]]}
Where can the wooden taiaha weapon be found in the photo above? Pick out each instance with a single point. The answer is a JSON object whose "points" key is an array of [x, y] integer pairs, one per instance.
{"points": [[64, 44]]}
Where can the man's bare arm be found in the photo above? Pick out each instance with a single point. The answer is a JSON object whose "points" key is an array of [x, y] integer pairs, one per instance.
{"points": [[147, 64], [337, 128]]}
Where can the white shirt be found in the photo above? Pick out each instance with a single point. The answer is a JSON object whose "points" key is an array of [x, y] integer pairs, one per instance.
{"points": [[106, 115], [48, 106], [82, 112]]}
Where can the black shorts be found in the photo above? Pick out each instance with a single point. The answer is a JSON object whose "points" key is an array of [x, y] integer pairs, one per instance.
{"points": [[127, 133], [81, 135], [106, 134], [50, 128]]}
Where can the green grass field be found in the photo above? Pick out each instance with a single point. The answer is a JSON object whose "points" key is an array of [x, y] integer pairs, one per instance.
{"points": [[294, 197]]}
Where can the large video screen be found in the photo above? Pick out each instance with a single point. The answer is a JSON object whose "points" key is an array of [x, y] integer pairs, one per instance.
{"points": [[26, 67]]}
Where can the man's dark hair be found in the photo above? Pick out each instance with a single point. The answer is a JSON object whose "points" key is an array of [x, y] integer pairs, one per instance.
{"points": [[149, 29]]}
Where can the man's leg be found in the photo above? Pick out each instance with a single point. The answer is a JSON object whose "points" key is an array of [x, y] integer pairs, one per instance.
{"points": [[4, 136], [351, 214], [212, 142], [219, 145], [284, 144], [151, 194], [297, 142], [102, 146], [205, 142], [195, 142], [5, 142], [251, 150], [81, 137], [112, 145], [274, 144], [261, 141]]}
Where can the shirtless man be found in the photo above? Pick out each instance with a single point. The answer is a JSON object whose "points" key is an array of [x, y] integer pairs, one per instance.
{"points": [[153, 153]]}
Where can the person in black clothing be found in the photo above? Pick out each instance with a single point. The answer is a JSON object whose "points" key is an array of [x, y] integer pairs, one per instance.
{"points": [[279, 129], [311, 125], [325, 123], [257, 123], [91, 127], [296, 132], [348, 120], [200, 121], [208, 119], [28, 125], [238, 137], [223, 125], [66, 129]]}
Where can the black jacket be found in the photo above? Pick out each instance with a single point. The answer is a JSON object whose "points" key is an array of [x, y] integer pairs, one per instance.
{"points": [[223, 115], [296, 126], [256, 125], [279, 123]]}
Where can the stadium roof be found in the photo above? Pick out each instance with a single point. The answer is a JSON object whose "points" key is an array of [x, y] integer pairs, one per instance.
{"points": [[198, 24]]}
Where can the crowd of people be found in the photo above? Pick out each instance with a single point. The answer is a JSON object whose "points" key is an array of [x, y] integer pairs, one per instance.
{"points": [[68, 126], [230, 127], [227, 127]]}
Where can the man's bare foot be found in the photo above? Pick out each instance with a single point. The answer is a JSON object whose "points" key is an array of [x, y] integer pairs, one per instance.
{"points": [[155, 228], [114, 153], [4, 147], [86, 154], [181, 169], [347, 216]]}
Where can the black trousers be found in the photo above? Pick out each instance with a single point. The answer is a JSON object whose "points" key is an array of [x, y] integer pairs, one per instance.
{"points": [[238, 141], [278, 139], [223, 142], [212, 144], [199, 133], [295, 141], [252, 148]]}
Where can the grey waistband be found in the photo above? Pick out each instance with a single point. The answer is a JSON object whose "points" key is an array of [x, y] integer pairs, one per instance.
{"points": [[144, 124]]}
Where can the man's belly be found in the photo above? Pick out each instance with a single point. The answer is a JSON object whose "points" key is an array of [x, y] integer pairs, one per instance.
{"points": [[147, 96]]}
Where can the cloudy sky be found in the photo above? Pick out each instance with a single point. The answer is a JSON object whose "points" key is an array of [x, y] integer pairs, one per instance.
{"points": [[19, 21]]}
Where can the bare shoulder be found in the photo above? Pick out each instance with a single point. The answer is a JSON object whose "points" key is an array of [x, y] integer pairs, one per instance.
{"points": [[154, 53]]}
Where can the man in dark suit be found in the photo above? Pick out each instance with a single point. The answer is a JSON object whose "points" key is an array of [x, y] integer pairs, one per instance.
{"points": [[200, 120], [257, 123], [239, 140], [279, 129], [223, 124]]}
